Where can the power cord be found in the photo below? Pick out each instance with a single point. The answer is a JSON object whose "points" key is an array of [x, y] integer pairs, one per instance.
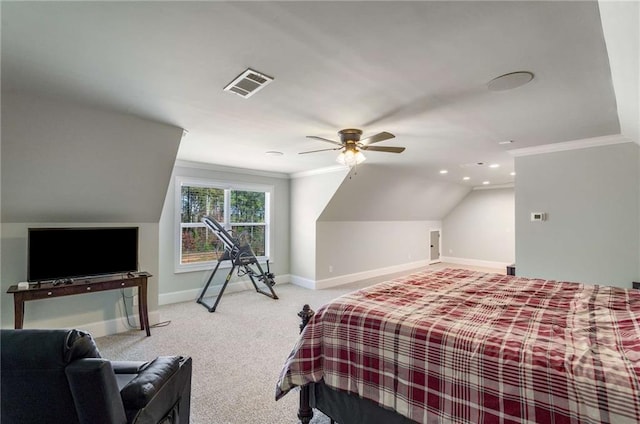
{"points": [[161, 324], [126, 314]]}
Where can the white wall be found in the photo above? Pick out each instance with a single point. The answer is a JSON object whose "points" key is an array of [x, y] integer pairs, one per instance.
{"points": [[186, 286], [621, 29], [347, 248], [481, 228], [65, 164], [99, 313], [387, 193], [378, 222], [591, 197], [310, 194]]}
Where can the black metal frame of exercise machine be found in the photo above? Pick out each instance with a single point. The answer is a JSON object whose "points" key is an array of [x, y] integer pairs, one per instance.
{"points": [[241, 257]]}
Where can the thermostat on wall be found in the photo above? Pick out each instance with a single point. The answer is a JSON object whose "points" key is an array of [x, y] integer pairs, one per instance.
{"points": [[538, 216]]}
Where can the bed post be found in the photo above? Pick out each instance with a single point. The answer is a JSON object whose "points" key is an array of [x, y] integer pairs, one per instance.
{"points": [[305, 412]]}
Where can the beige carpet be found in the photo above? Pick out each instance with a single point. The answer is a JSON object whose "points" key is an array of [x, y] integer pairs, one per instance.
{"points": [[238, 351]]}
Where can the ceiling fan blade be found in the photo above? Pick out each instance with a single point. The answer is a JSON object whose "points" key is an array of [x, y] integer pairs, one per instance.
{"points": [[321, 150], [383, 149], [377, 138], [324, 139]]}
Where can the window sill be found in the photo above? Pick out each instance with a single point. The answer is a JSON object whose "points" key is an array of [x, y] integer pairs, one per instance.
{"points": [[208, 266]]}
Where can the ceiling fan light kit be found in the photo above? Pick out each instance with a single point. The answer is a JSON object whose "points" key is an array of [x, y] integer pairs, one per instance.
{"points": [[351, 146], [351, 158]]}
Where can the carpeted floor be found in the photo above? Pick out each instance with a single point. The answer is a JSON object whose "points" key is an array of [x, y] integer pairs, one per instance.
{"points": [[238, 351]]}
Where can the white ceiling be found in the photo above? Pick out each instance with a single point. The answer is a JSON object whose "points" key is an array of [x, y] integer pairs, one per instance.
{"points": [[416, 69]]}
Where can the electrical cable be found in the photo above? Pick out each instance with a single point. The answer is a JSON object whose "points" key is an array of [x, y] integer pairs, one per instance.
{"points": [[126, 314]]}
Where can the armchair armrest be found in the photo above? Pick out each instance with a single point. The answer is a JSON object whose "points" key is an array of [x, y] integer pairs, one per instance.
{"points": [[140, 390], [161, 392], [95, 391], [128, 367]]}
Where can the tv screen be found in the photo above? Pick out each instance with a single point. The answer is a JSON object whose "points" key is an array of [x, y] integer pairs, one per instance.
{"points": [[57, 253]]}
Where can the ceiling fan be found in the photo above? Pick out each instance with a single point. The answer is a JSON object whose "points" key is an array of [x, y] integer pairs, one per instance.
{"points": [[351, 145]]}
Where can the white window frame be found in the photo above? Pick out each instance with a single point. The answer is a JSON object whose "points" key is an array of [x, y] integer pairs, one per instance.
{"points": [[181, 181]]}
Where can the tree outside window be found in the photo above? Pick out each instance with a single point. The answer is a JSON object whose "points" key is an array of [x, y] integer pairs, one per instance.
{"points": [[242, 212], [248, 219]]}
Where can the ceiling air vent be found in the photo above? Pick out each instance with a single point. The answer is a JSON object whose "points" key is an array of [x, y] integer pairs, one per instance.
{"points": [[248, 83]]}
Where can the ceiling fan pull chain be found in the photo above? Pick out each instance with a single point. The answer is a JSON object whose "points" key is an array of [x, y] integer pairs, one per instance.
{"points": [[354, 171]]}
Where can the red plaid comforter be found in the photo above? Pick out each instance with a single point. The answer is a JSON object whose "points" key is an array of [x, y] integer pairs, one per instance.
{"points": [[469, 347]]}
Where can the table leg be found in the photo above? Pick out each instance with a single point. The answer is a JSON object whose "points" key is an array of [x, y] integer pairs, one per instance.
{"points": [[140, 313], [18, 311], [142, 308]]}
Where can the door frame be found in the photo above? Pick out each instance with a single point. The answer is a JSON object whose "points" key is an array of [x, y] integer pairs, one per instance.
{"points": [[437, 260]]}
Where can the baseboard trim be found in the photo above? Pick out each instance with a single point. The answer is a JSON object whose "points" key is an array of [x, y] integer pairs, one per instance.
{"points": [[350, 278], [192, 294], [118, 325], [474, 262], [307, 283], [357, 276], [233, 287]]}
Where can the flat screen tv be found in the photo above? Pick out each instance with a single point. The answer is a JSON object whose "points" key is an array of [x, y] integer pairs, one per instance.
{"points": [[59, 253]]}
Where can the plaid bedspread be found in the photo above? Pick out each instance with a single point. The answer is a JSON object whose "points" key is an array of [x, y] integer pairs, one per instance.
{"points": [[469, 347]]}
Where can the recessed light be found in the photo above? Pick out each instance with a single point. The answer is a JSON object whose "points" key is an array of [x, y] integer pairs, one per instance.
{"points": [[273, 153], [444, 171], [494, 165], [485, 182], [466, 178], [510, 81], [512, 174]]}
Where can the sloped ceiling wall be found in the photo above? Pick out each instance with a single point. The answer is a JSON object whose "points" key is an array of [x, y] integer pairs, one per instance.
{"points": [[621, 28], [378, 192], [63, 162]]}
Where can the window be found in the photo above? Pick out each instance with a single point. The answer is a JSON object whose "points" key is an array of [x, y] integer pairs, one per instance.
{"points": [[244, 210]]}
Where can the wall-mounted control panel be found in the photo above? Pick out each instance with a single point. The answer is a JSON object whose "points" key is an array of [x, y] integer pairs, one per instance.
{"points": [[538, 216]]}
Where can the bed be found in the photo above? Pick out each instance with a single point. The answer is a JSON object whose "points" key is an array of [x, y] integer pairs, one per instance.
{"points": [[458, 346]]}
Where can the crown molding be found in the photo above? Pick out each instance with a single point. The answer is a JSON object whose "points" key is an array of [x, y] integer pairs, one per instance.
{"points": [[222, 168], [320, 171], [585, 143], [494, 187]]}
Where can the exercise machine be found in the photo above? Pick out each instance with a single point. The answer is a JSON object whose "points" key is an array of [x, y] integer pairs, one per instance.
{"points": [[242, 257]]}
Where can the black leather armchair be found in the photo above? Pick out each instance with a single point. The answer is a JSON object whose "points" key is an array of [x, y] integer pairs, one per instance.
{"points": [[58, 377]]}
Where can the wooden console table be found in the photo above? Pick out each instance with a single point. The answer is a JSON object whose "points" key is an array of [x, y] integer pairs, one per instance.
{"points": [[47, 290]]}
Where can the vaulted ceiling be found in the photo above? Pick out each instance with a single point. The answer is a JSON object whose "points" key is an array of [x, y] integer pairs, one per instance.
{"points": [[416, 69]]}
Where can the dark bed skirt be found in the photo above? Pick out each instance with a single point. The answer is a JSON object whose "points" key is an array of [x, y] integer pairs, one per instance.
{"points": [[346, 408]]}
